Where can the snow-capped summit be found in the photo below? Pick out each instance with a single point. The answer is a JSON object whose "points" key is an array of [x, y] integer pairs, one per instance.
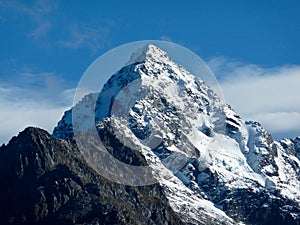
{"points": [[148, 52], [210, 162]]}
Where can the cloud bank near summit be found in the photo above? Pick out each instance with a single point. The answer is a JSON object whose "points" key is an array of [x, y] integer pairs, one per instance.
{"points": [[267, 95], [32, 99]]}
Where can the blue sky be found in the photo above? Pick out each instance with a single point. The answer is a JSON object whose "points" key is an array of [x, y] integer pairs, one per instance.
{"points": [[251, 46]]}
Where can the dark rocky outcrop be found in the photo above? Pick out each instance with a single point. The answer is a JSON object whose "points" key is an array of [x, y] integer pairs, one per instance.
{"points": [[46, 181]]}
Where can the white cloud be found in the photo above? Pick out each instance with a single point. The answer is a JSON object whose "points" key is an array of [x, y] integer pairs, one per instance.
{"points": [[15, 116], [32, 100], [268, 95], [281, 121]]}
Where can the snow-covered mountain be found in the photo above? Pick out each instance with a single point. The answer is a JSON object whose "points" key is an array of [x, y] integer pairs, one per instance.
{"points": [[225, 158], [210, 166]]}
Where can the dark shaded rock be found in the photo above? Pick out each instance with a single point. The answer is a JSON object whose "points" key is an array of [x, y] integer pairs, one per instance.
{"points": [[46, 181]]}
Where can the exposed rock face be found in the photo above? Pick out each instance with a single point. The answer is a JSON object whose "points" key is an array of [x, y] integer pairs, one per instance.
{"points": [[46, 181], [209, 166]]}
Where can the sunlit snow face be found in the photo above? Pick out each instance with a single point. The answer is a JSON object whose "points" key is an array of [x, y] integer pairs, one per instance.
{"points": [[152, 106]]}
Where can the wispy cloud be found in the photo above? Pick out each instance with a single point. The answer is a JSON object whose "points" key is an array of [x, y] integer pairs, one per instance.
{"points": [[41, 30], [45, 18], [87, 36], [38, 12], [268, 95], [33, 99], [166, 38]]}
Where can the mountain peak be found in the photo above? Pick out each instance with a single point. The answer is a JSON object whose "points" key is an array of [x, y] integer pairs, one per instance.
{"points": [[157, 127], [148, 53]]}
